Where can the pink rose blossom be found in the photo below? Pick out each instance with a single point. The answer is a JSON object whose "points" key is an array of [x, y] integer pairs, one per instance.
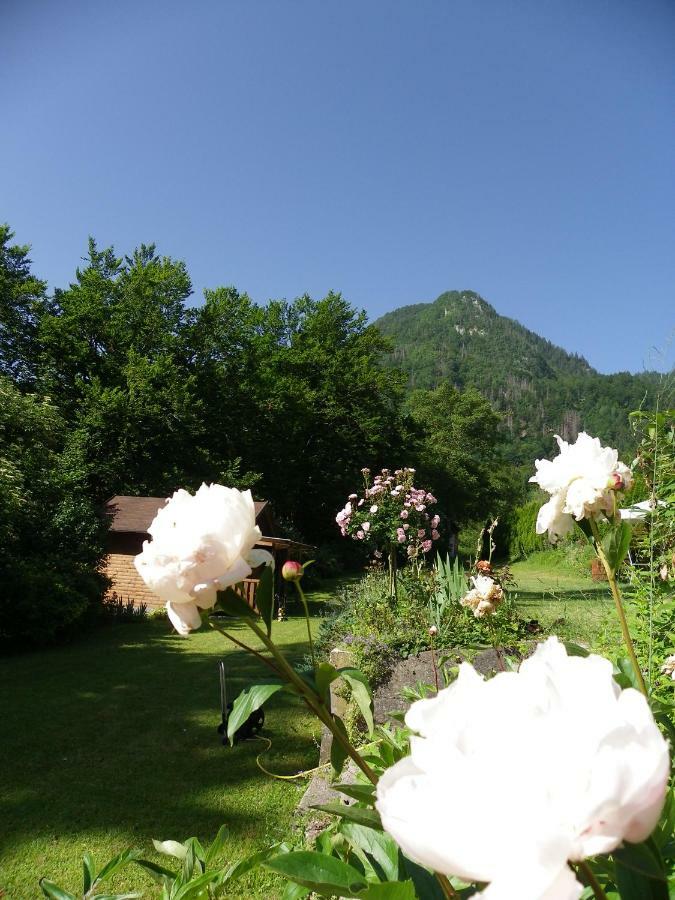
{"points": [[421, 533], [360, 503], [373, 508], [434, 535], [435, 522], [406, 526], [360, 534], [420, 508], [366, 526], [426, 546], [404, 513]]}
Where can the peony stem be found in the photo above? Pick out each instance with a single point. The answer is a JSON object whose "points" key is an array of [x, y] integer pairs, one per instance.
{"points": [[591, 881], [448, 890], [313, 701], [309, 629], [263, 659], [614, 587]]}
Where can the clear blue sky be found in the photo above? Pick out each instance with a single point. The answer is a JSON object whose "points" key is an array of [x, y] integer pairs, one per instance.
{"points": [[389, 150]]}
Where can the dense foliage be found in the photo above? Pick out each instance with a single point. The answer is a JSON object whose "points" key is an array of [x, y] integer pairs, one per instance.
{"points": [[538, 388]]}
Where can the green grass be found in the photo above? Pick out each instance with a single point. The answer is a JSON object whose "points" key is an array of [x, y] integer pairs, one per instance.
{"points": [[111, 741], [566, 601]]}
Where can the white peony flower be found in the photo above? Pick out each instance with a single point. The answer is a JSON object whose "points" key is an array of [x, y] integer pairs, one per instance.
{"points": [[484, 597], [200, 545], [582, 481], [575, 764]]}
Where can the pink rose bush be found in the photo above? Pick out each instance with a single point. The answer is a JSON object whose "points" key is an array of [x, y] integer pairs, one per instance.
{"points": [[391, 512]]}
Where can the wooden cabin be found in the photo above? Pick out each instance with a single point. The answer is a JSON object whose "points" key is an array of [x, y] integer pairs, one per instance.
{"points": [[130, 518]]}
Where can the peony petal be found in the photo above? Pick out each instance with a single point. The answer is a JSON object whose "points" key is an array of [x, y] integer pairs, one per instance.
{"points": [[184, 617], [258, 557]]}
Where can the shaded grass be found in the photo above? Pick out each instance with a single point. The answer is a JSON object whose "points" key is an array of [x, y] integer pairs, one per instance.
{"points": [[111, 741]]}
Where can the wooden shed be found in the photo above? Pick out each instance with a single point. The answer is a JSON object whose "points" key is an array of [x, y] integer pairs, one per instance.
{"points": [[129, 523]]}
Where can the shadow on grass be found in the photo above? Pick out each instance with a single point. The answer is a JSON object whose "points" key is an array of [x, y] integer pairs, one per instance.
{"points": [[117, 733]]}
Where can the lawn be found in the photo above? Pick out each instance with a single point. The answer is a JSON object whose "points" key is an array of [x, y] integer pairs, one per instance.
{"points": [[566, 601], [111, 741]]}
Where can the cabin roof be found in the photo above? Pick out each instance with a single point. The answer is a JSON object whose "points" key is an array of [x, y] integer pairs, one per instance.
{"points": [[135, 514]]}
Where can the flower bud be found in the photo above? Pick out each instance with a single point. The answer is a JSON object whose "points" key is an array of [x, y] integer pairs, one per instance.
{"points": [[483, 567], [616, 482], [291, 570], [433, 631]]}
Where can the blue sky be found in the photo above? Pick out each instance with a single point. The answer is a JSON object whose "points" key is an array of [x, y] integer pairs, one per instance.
{"points": [[390, 150]]}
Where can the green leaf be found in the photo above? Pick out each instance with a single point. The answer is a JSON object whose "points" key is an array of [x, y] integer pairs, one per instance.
{"points": [[615, 544], [639, 873], [389, 890], [88, 871], [264, 597], [585, 528], [338, 754], [231, 602], [54, 892], [250, 862], [132, 896], [426, 884], [358, 814], [361, 693], [362, 792], [171, 848], [246, 703], [377, 844], [218, 844], [576, 649], [126, 856], [324, 874], [159, 873], [294, 891], [195, 887], [324, 676]]}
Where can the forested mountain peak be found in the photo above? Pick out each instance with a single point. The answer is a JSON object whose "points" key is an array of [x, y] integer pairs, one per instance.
{"points": [[538, 388]]}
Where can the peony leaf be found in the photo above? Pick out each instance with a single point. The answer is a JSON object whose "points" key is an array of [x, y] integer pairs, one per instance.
{"points": [[615, 544], [324, 676], [264, 597], [362, 792], [294, 891], [126, 856], [164, 876], [246, 703], [389, 890], [359, 814], [426, 885], [232, 602], [324, 874], [361, 693], [338, 754], [639, 872], [380, 846]]}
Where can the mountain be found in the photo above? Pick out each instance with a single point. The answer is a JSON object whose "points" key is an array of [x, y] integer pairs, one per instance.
{"points": [[538, 388]]}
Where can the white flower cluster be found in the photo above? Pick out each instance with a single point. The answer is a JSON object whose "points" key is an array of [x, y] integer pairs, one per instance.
{"points": [[484, 597], [574, 764], [582, 481], [200, 545], [668, 667]]}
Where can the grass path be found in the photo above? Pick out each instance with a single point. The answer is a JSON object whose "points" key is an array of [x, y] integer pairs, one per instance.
{"points": [[111, 741]]}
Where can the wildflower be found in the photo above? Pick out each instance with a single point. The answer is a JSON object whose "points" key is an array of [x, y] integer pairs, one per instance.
{"points": [[201, 544], [587, 790]]}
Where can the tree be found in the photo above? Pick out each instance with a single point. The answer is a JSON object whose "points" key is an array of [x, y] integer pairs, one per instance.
{"points": [[458, 451], [22, 298], [51, 538]]}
